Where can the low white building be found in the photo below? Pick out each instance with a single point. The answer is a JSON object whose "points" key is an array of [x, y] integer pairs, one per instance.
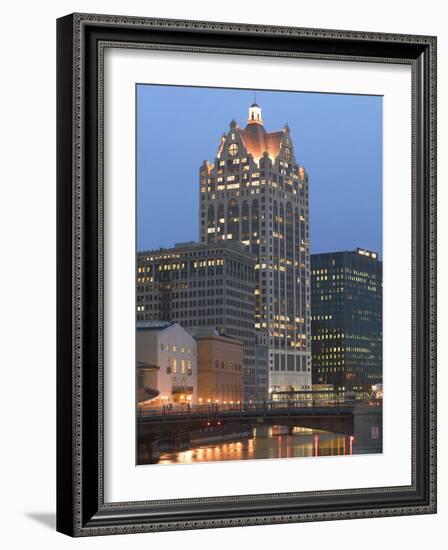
{"points": [[171, 348]]}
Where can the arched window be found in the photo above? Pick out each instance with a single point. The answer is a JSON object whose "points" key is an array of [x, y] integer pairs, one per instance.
{"points": [[275, 231], [245, 222], [233, 220], [211, 234], [220, 223], [300, 274], [289, 274], [255, 229], [289, 233]]}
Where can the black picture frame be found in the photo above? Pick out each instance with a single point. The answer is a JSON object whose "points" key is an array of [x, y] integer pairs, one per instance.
{"points": [[81, 510]]}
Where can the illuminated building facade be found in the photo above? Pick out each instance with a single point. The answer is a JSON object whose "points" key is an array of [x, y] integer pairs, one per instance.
{"points": [[346, 304], [255, 193], [201, 286], [220, 368], [169, 358]]}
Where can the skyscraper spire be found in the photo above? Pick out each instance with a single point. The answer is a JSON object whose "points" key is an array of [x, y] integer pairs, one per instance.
{"points": [[255, 114]]}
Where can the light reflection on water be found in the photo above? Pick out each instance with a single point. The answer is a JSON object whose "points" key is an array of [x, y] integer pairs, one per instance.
{"points": [[302, 443]]}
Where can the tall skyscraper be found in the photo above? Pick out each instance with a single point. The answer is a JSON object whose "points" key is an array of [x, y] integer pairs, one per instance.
{"points": [[346, 305], [254, 192]]}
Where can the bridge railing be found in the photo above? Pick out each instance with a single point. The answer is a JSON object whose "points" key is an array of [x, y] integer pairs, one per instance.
{"points": [[261, 407]]}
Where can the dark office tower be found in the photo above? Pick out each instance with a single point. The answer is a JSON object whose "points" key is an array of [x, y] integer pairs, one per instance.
{"points": [[255, 192], [201, 287], [346, 326]]}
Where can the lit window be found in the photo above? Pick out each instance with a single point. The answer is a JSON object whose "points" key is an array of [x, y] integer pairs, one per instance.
{"points": [[233, 149]]}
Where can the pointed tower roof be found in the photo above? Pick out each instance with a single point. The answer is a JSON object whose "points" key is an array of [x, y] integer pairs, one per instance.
{"points": [[255, 115], [255, 138]]}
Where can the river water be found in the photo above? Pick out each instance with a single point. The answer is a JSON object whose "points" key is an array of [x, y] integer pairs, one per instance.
{"points": [[274, 442]]}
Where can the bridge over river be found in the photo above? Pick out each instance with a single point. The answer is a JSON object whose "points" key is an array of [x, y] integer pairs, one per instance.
{"points": [[155, 424]]}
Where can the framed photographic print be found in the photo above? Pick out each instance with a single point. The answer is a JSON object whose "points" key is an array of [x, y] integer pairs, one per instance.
{"points": [[246, 274]]}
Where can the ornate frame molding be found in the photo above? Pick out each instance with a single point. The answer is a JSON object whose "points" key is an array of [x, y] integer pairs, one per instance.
{"points": [[81, 42]]}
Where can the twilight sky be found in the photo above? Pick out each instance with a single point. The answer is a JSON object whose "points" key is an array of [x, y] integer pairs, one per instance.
{"points": [[337, 138]]}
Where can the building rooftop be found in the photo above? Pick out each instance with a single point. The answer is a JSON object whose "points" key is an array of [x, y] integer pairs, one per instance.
{"points": [[359, 252], [205, 331], [234, 246], [153, 324], [256, 140], [146, 366], [211, 333]]}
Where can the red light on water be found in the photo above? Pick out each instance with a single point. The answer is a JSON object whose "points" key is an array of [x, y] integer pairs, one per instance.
{"points": [[352, 438]]}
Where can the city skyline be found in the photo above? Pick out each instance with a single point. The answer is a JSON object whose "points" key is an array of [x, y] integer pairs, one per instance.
{"points": [[223, 274], [348, 129]]}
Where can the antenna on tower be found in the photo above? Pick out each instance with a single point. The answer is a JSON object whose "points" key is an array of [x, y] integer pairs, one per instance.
{"points": [[255, 96]]}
